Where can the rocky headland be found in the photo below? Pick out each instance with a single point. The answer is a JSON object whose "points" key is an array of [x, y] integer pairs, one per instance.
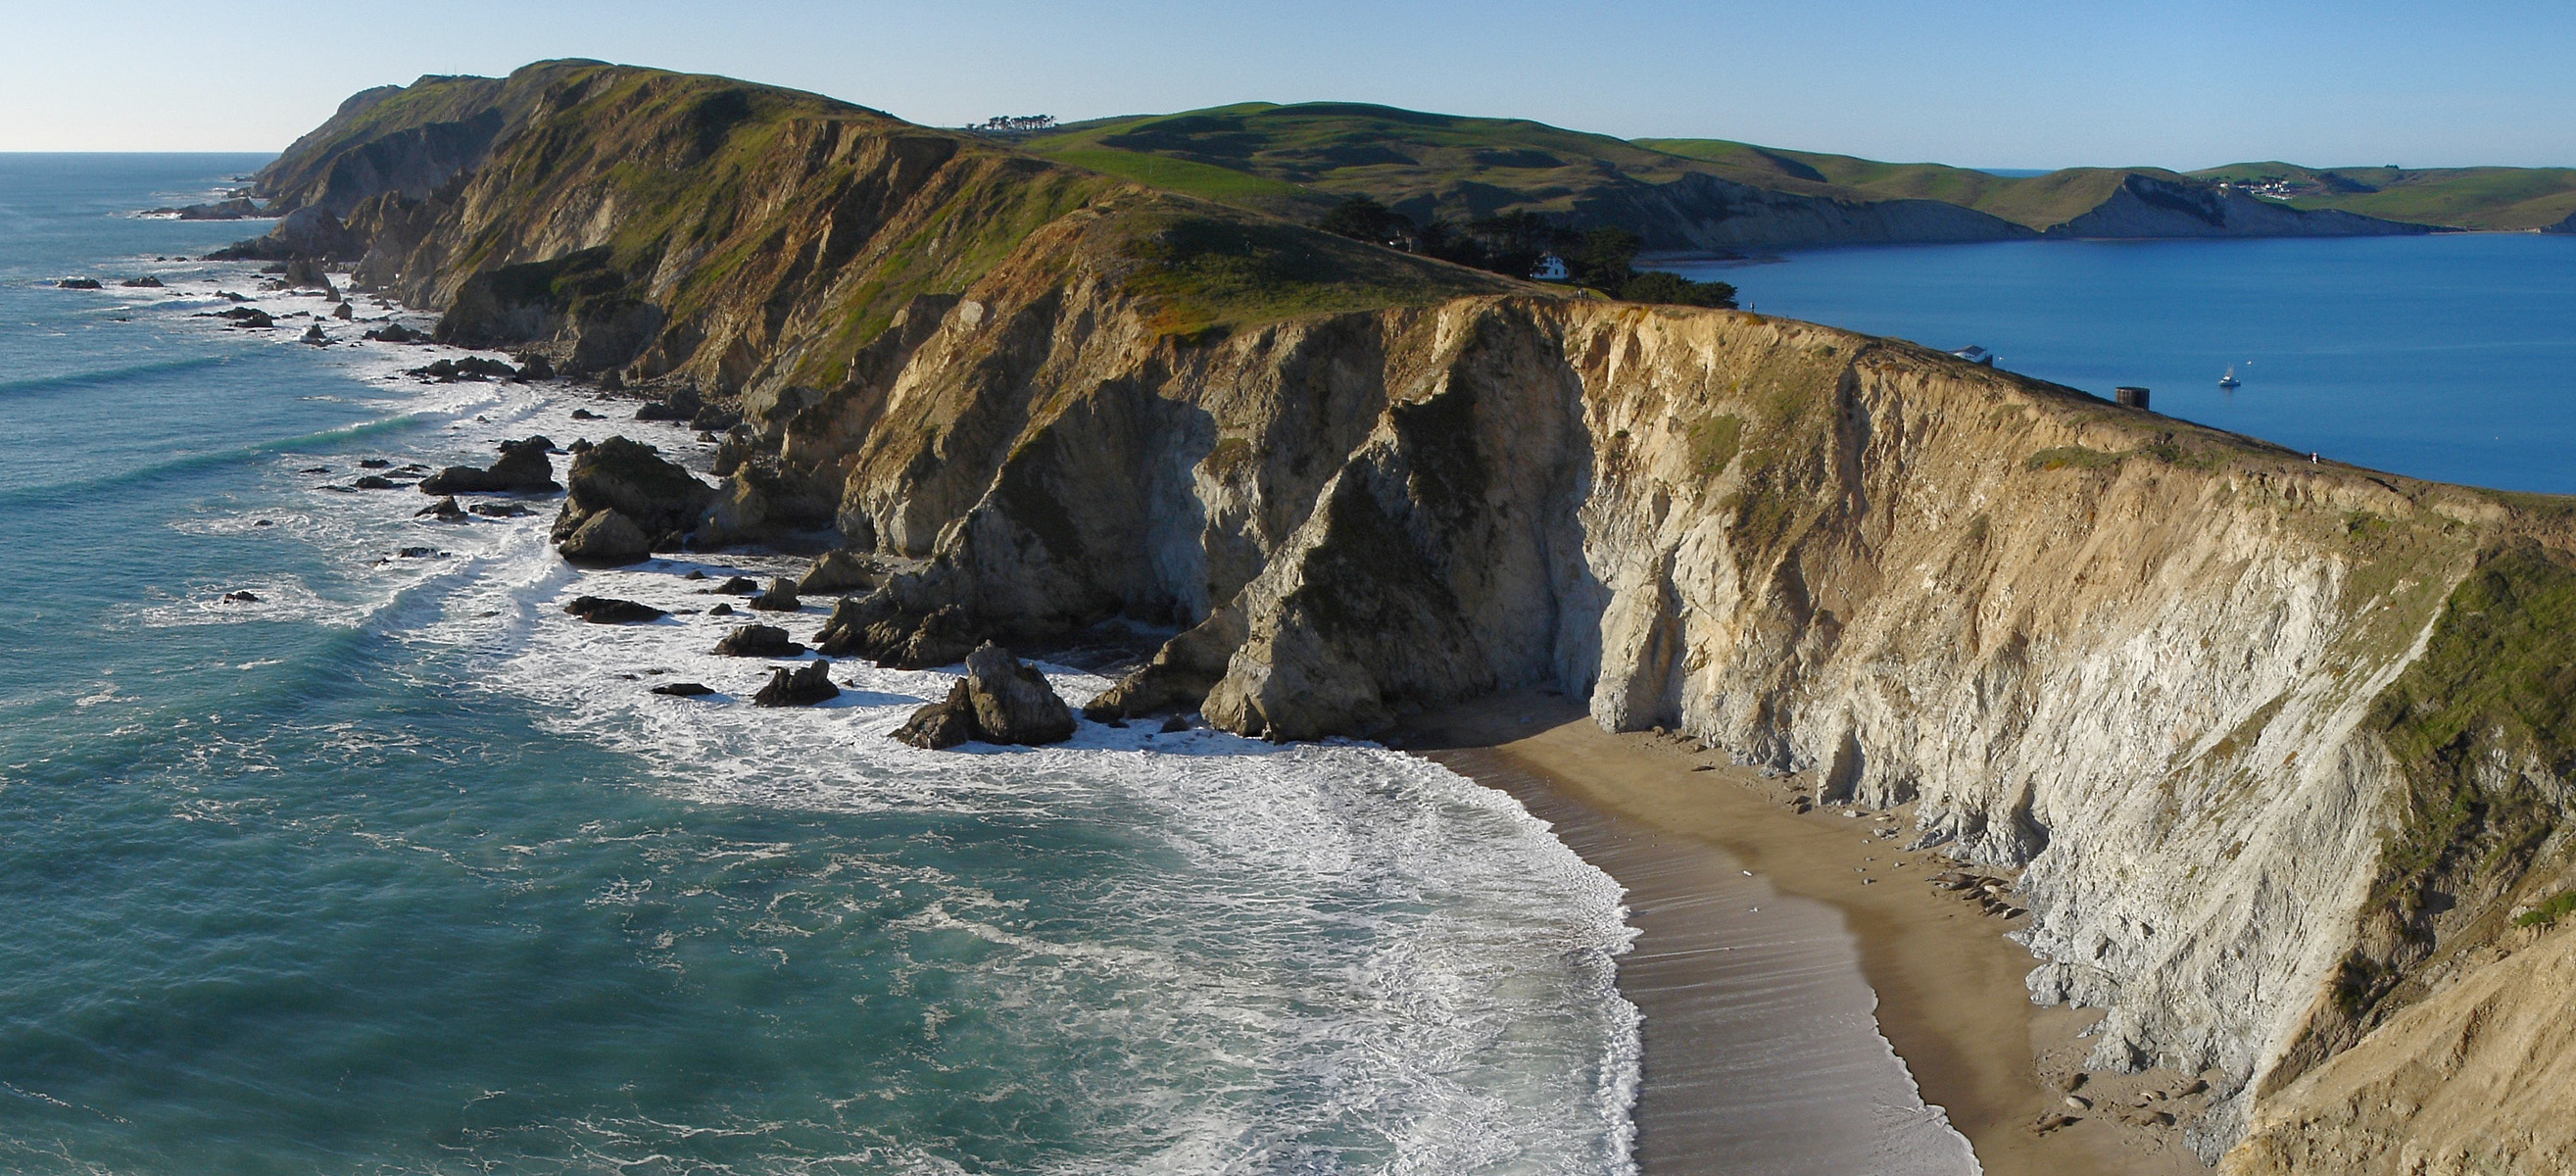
{"points": [[2282, 747]]}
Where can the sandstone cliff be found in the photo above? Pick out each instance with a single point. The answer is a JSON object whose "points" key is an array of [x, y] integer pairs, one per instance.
{"points": [[2282, 744]]}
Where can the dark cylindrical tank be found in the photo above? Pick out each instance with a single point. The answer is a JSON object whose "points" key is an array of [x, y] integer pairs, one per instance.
{"points": [[2130, 396]]}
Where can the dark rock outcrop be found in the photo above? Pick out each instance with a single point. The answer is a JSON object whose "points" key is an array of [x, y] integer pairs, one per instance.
{"points": [[629, 480], [758, 641], [146, 282], [684, 689], [1001, 700], [445, 510], [524, 468], [237, 208], [396, 333], [781, 597], [303, 233], [840, 571], [580, 298], [609, 610], [803, 686], [874, 626], [605, 538]]}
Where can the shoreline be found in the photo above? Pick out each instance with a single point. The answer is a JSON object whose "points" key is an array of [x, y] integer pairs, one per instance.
{"points": [[1696, 843]]}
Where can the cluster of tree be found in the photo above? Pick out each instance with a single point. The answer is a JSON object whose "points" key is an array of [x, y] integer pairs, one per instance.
{"points": [[1519, 243], [1015, 124]]}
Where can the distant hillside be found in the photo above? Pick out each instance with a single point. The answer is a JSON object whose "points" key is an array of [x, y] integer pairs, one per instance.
{"points": [[2487, 198], [1677, 193], [1299, 160]]}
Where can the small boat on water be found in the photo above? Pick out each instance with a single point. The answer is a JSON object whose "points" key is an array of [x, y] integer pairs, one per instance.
{"points": [[2229, 380]]}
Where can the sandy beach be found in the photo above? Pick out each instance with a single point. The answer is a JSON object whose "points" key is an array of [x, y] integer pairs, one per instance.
{"points": [[1750, 1062]]}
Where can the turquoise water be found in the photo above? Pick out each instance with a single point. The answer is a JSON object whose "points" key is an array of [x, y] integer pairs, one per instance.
{"points": [[398, 869], [2451, 357]]}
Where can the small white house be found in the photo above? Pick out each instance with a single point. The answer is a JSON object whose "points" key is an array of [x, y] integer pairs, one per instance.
{"points": [[1550, 268]]}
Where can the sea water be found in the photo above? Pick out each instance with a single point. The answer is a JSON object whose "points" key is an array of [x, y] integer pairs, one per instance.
{"points": [[2450, 356], [397, 868]]}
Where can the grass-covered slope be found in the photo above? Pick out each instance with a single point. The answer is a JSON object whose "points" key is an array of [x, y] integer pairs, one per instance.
{"points": [[1678, 193], [746, 236], [2484, 198], [1298, 160]]}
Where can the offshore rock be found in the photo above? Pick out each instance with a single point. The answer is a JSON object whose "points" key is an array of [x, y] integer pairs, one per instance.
{"points": [[803, 686], [606, 538], [628, 479], [876, 627], [1000, 700], [524, 468], [1013, 702], [781, 597], [758, 641], [609, 610], [939, 725]]}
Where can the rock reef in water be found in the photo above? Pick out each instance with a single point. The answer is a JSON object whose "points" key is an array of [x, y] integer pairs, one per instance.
{"points": [[2280, 744], [525, 468], [1000, 700]]}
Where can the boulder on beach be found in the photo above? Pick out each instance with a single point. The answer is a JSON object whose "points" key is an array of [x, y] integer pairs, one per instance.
{"points": [[500, 510], [803, 686], [534, 366], [684, 689], [395, 333], [524, 468], [344, 312], [609, 610], [758, 641], [313, 336], [375, 482], [1001, 700]]}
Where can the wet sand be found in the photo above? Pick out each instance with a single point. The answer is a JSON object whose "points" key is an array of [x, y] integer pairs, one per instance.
{"points": [[1762, 1052]]}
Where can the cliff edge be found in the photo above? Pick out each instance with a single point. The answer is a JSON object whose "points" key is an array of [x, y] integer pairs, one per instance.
{"points": [[2283, 745]]}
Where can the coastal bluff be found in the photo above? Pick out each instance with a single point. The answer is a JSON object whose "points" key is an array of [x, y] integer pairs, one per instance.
{"points": [[2285, 746]]}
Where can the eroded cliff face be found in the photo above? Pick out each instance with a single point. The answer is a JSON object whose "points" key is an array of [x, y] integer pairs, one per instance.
{"points": [[2150, 662], [2281, 744]]}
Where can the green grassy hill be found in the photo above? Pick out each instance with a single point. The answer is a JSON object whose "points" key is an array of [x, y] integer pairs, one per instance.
{"points": [[1298, 160], [1312, 155], [2494, 198]]}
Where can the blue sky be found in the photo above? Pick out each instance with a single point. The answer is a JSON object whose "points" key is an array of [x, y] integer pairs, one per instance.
{"points": [[2008, 84]]}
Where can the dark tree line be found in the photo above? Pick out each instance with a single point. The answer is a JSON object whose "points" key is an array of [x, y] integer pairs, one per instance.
{"points": [[1517, 243]]}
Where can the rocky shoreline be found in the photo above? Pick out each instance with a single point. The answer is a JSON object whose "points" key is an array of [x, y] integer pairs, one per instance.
{"points": [[2244, 722]]}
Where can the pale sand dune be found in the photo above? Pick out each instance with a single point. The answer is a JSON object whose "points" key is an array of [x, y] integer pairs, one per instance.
{"points": [[1761, 1051]]}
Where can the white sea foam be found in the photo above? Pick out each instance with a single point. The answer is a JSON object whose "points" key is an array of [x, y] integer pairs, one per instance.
{"points": [[1350, 958]]}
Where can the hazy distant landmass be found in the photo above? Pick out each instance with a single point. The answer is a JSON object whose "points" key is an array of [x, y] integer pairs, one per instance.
{"points": [[1716, 193]]}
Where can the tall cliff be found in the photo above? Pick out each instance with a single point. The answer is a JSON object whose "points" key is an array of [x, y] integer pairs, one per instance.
{"points": [[2282, 744]]}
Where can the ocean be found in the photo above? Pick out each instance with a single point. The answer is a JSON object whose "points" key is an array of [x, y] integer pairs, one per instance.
{"points": [[395, 868], [2450, 357]]}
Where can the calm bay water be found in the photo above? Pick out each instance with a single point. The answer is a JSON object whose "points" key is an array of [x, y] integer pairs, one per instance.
{"points": [[2451, 357], [397, 869]]}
